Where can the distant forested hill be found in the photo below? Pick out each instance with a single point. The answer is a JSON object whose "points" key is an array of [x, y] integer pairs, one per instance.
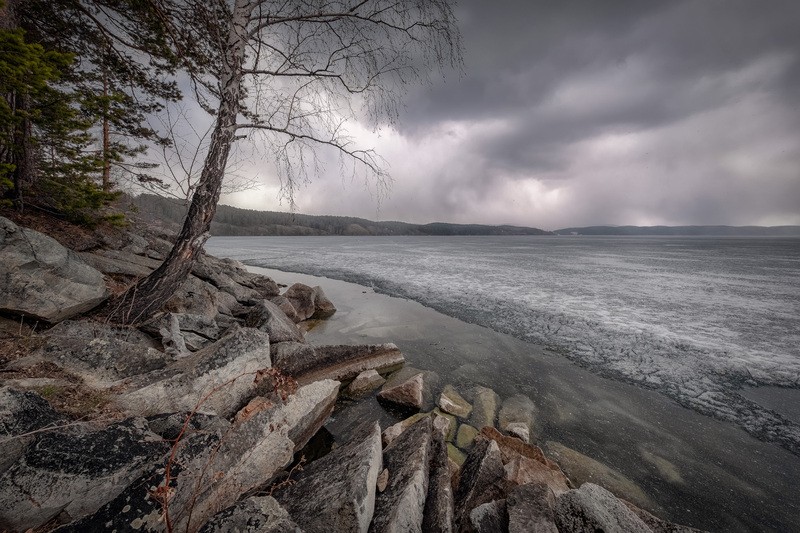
{"points": [[235, 221], [711, 231]]}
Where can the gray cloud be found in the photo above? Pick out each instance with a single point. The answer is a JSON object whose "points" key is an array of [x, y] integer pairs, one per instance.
{"points": [[574, 112]]}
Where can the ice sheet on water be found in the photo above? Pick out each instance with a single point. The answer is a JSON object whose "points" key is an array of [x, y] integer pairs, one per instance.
{"points": [[693, 318]]}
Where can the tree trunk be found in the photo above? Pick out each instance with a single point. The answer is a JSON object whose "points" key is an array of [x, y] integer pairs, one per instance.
{"points": [[106, 138], [147, 296], [22, 150]]}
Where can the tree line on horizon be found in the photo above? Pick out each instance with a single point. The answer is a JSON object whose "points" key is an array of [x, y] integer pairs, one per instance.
{"points": [[235, 221]]}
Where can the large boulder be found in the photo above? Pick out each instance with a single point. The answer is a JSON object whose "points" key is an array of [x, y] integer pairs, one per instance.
{"points": [[593, 508], [490, 517], [21, 413], [42, 279], [400, 507], [195, 297], [214, 466], [309, 302], [339, 362], [72, 472], [269, 318], [99, 353], [530, 508], [337, 492], [183, 331], [217, 379]]}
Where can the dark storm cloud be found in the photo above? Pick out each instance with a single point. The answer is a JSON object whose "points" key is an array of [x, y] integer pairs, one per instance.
{"points": [[581, 112]]}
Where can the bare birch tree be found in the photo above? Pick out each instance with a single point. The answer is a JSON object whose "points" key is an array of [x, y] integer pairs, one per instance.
{"points": [[295, 71]]}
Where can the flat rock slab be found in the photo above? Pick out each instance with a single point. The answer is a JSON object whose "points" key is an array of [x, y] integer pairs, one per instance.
{"points": [[364, 383], [42, 279], [75, 471], [343, 362], [530, 509], [257, 514], [217, 379], [337, 492], [400, 508], [99, 353], [450, 401], [485, 406], [593, 508]]}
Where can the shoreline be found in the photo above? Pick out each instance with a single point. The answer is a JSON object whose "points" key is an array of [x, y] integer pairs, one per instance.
{"points": [[690, 464]]}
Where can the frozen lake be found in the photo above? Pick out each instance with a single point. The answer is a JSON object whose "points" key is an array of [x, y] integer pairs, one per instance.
{"points": [[697, 319]]}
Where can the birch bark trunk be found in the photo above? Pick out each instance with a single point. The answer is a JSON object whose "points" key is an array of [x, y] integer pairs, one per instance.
{"points": [[143, 299]]}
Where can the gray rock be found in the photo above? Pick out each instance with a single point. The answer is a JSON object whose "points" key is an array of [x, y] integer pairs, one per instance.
{"points": [[269, 318], [593, 508], [342, 362], [195, 297], [257, 514], [227, 274], [530, 509], [337, 492], [290, 357], [183, 329], [481, 480], [109, 265], [394, 431], [438, 515], [484, 406], [42, 279], [364, 383], [450, 401], [75, 471], [302, 298], [221, 376], [517, 410], [214, 466], [407, 393], [126, 257], [324, 308], [400, 508], [490, 517], [410, 388], [21, 413], [99, 353], [286, 306]]}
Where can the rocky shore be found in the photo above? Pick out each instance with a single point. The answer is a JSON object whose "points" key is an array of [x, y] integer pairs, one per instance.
{"points": [[204, 418]]}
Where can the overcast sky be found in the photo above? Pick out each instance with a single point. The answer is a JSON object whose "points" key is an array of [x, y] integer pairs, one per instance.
{"points": [[575, 113]]}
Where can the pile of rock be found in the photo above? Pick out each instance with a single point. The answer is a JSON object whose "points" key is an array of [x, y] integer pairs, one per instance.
{"points": [[212, 402]]}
